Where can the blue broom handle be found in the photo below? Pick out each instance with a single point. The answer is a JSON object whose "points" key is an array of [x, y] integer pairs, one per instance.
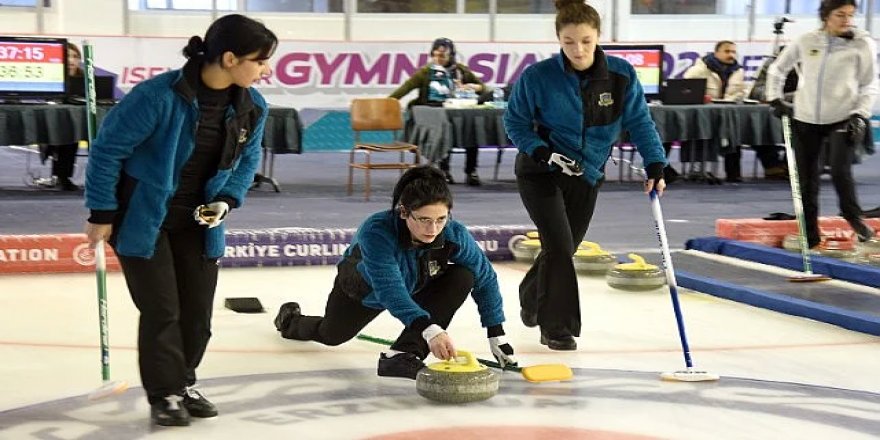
{"points": [[670, 275]]}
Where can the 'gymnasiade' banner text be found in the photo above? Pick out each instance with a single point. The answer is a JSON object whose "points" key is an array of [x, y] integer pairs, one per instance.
{"points": [[330, 74]]}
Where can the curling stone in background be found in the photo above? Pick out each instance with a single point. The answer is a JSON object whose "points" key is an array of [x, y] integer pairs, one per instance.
{"points": [[460, 380], [870, 250], [590, 258], [840, 247], [637, 275], [525, 247], [792, 242]]}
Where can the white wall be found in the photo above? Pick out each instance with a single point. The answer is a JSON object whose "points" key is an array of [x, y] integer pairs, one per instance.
{"points": [[106, 17]]}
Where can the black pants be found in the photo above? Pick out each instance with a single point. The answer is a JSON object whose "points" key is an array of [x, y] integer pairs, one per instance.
{"points": [[561, 207], [63, 159], [470, 160], [770, 156], [345, 315], [807, 144], [174, 292], [697, 151]]}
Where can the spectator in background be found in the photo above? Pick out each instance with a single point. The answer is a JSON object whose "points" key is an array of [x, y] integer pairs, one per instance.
{"points": [[724, 81], [837, 88], [436, 82], [64, 155]]}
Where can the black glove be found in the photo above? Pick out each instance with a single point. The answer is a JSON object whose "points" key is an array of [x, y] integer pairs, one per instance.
{"points": [[856, 127], [654, 171], [782, 108], [541, 155]]}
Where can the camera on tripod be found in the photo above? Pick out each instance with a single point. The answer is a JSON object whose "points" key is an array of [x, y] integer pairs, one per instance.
{"points": [[779, 23]]}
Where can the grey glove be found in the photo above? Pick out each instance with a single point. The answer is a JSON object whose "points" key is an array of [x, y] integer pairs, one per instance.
{"points": [[211, 214], [856, 127], [569, 166]]}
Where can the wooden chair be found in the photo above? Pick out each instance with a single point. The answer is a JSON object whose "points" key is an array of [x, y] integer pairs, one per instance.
{"points": [[377, 114]]}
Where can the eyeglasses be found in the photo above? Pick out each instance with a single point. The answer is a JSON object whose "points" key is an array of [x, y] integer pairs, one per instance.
{"points": [[427, 221]]}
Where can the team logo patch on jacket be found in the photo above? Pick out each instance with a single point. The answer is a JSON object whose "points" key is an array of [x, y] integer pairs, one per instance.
{"points": [[605, 99], [433, 268], [242, 136]]}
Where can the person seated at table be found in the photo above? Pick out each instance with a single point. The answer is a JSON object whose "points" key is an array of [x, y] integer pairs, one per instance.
{"points": [[64, 155], [725, 81], [438, 81], [418, 263]]}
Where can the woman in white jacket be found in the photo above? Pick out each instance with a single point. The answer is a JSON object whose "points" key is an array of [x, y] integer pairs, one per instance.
{"points": [[838, 85]]}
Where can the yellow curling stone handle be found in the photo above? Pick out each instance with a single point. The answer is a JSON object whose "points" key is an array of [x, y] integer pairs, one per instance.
{"points": [[637, 264], [464, 362], [590, 249]]}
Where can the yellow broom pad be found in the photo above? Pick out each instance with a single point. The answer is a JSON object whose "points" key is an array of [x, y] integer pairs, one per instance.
{"points": [[547, 373]]}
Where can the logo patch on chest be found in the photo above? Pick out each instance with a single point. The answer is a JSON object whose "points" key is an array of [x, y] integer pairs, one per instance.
{"points": [[242, 136], [605, 99], [433, 268]]}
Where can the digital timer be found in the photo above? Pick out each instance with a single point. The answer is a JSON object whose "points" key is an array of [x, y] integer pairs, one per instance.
{"points": [[32, 67]]}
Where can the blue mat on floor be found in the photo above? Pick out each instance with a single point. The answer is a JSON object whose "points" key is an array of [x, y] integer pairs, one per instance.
{"points": [[847, 307], [837, 269]]}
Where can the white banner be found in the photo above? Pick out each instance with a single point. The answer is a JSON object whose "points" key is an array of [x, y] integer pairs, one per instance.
{"points": [[330, 74]]}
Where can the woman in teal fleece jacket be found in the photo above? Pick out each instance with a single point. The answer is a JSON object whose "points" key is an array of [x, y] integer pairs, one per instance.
{"points": [[564, 115], [169, 162], [416, 262]]}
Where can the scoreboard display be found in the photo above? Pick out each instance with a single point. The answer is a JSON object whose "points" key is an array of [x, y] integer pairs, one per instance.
{"points": [[32, 67], [647, 60]]}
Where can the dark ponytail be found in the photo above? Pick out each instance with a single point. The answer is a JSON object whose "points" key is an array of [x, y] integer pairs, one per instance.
{"points": [[232, 33], [421, 186]]}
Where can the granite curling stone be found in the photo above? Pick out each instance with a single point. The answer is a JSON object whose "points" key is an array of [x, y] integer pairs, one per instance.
{"points": [[460, 380], [525, 248], [792, 242], [840, 247], [636, 275], [591, 258]]}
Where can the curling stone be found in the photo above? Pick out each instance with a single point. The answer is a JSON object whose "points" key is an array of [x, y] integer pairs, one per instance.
{"points": [[792, 242], [870, 247], [590, 258], [840, 247], [525, 248], [460, 380], [637, 275]]}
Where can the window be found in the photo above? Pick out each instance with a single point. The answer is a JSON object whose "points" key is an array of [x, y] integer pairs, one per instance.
{"points": [[203, 5], [674, 6], [526, 7], [294, 5], [476, 6], [25, 3], [417, 6], [801, 7]]}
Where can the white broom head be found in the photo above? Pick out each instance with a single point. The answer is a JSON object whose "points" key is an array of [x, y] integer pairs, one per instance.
{"points": [[109, 388], [690, 375]]}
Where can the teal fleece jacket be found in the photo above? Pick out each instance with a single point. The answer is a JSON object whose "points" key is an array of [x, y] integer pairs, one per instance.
{"points": [[384, 268], [142, 145], [583, 119]]}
